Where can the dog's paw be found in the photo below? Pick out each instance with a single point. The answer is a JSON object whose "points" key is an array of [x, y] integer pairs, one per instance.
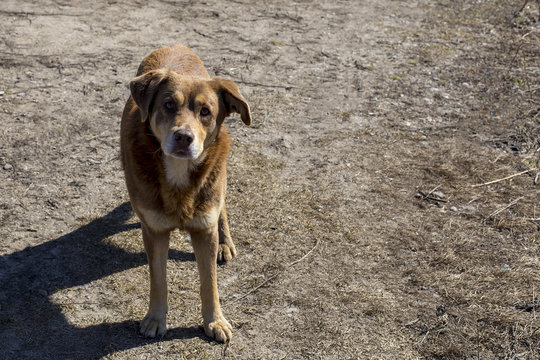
{"points": [[219, 330], [152, 326], [226, 252]]}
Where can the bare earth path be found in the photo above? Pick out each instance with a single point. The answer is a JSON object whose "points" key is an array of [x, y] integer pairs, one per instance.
{"points": [[350, 200]]}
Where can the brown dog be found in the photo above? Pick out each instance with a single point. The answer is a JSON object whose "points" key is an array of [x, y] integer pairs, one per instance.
{"points": [[173, 149]]}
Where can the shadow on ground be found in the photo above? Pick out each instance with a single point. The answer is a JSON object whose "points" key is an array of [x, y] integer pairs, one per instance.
{"points": [[32, 327]]}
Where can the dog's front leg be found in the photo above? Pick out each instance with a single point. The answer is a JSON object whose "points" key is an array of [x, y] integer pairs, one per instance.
{"points": [[205, 246], [226, 250], [157, 247]]}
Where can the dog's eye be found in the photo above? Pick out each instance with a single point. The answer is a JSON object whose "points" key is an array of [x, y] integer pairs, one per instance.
{"points": [[204, 111], [170, 106]]}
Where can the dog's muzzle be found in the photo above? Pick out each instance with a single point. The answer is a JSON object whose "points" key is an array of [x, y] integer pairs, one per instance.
{"points": [[181, 144]]}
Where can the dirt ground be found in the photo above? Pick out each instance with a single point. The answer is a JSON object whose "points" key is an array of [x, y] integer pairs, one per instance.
{"points": [[351, 200]]}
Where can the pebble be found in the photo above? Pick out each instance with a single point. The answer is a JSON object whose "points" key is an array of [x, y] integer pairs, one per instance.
{"points": [[8, 167], [453, 208]]}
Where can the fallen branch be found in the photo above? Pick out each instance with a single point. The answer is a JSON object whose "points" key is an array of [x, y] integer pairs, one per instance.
{"points": [[505, 178], [271, 277]]}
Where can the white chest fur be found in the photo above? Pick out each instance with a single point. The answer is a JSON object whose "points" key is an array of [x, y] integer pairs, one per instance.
{"points": [[177, 171]]}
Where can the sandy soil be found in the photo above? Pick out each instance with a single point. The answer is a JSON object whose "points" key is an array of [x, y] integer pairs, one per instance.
{"points": [[350, 200]]}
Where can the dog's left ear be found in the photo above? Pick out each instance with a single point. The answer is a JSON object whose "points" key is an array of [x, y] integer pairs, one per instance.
{"points": [[232, 99], [144, 88]]}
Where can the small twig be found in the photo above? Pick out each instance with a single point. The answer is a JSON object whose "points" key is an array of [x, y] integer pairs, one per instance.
{"points": [[522, 7], [505, 178], [498, 211], [527, 34], [435, 188], [412, 322], [271, 277], [286, 86], [474, 199], [424, 338], [26, 13], [428, 196], [201, 33], [225, 348]]}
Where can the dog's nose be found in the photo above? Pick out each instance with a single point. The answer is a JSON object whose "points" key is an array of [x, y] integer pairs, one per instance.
{"points": [[183, 137]]}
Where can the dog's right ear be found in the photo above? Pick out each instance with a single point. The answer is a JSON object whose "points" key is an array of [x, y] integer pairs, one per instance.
{"points": [[144, 89]]}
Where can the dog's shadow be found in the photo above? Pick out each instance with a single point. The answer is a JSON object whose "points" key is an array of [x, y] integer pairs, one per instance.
{"points": [[31, 327]]}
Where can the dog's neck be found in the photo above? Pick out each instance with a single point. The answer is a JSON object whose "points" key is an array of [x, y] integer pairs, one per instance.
{"points": [[178, 171]]}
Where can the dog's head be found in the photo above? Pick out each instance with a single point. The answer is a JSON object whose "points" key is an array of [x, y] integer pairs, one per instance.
{"points": [[186, 113]]}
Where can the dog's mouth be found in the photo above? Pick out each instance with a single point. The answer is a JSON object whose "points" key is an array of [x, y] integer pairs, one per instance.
{"points": [[182, 154], [179, 153]]}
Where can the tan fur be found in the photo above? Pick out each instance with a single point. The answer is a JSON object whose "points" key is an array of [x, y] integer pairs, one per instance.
{"points": [[174, 159]]}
